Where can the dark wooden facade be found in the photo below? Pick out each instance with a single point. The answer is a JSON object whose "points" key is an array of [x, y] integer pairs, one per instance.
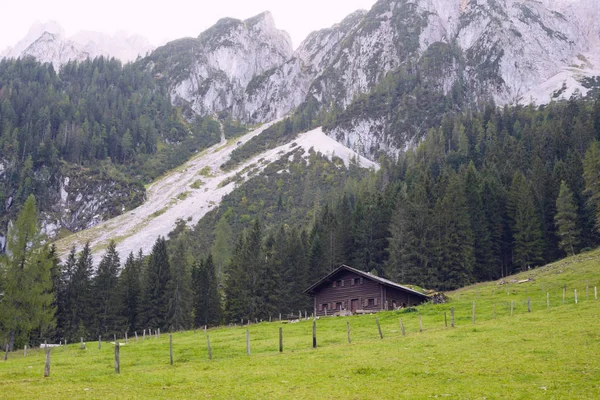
{"points": [[348, 290]]}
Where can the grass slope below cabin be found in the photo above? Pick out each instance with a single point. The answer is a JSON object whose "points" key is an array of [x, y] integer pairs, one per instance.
{"points": [[551, 352]]}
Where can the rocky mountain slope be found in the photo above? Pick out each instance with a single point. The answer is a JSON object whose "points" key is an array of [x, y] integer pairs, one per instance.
{"points": [[508, 51], [192, 190], [47, 42], [209, 74]]}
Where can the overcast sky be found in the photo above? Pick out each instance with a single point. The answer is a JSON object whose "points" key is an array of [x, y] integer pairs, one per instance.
{"points": [[168, 20]]}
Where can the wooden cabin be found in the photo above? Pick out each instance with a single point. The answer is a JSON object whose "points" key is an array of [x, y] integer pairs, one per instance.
{"points": [[348, 290]]}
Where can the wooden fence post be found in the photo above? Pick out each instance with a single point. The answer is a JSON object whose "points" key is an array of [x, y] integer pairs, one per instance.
{"points": [[280, 339], [6, 353], [144, 337], [421, 323], [279, 317], [473, 312], [208, 347], [379, 328], [529, 304], [171, 348], [348, 330], [159, 333], [402, 327], [548, 299], [126, 342], [247, 342], [314, 333], [452, 316], [512, 307], [445, 320], [587, 289], [576, 300], [47, 366], [117, 360], [82, 345], [99, 342], [25, 351], [136, 336]]}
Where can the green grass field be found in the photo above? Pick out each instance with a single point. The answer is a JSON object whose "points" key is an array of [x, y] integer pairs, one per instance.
{"points": [[552, 352]]}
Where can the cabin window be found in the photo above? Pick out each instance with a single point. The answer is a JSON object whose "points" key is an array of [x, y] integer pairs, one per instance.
{"points": [[356, 281], [338, 305], [338, 283], [324, 306], [371, 303]]}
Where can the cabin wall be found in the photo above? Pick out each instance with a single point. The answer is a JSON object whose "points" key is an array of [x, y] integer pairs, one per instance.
{"points": [[335, 296], [397, 298]]}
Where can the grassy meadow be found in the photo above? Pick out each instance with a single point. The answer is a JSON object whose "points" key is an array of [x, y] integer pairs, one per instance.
{"points": [[552, 352]]}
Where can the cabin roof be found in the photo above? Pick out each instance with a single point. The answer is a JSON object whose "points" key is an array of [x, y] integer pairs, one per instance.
{"points": [[367, 275]]}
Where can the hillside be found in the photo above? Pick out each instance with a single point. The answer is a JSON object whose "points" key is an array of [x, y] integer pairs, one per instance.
{"points": [[190, 191], [551, 351]]}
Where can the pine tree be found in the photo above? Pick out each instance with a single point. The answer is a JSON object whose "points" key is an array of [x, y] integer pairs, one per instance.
{"points": [[526, 226], [80, 291], [221, 247], [27, 301], [155, 296], [294, 275], [482, 245], [566, 220], [270, 289], [130, 292], [454, 239], [241, 290], [344, 241], [411, 229], [179, 290], [105, 293], [237, 292], [591, 172], [64, 297], [207, 302]]}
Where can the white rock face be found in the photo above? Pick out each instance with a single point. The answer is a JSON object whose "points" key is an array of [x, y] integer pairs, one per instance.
{"points": [[281, 90], [47, 42], [514, 51], [221, 63]]}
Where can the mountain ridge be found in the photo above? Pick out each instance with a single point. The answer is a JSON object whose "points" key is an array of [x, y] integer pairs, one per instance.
{"points": [[48, 42]]}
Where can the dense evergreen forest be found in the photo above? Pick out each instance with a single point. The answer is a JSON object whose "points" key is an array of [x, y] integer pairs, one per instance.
{"points": [[485, 194], [97, 118]]}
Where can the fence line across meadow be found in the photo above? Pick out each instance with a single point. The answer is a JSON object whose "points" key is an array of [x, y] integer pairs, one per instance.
{"points": [[436, 319]]}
